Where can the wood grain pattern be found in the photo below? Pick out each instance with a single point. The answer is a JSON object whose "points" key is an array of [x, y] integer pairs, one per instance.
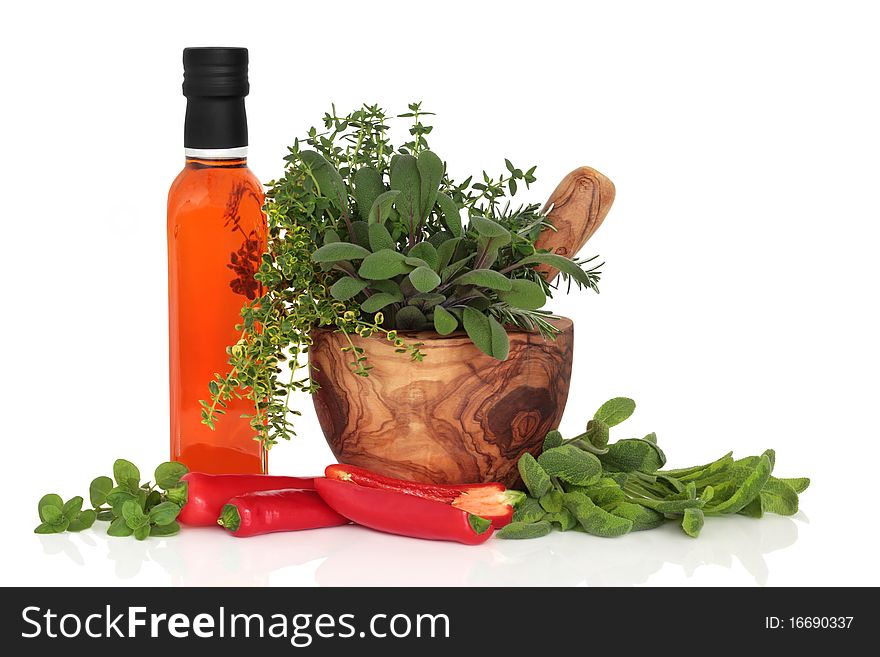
{"points": [[577, 207], [459, 416]]}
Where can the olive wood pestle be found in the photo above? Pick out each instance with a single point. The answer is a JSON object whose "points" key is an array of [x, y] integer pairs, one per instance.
{"points": [[576, 208]]}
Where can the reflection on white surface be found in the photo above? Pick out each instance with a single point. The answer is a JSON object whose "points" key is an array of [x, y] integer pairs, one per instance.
{"points": [[350, 556]]}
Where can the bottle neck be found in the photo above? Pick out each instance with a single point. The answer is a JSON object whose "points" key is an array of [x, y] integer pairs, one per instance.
{"points": [[205, 160], [215, 124]]}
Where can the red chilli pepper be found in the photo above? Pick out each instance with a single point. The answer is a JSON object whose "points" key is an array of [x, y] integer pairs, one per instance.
{"points": [[277, 511], [400, 513], [207, 493], [491, 501]]}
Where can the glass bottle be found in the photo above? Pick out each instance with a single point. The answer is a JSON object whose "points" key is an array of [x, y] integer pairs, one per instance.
{"points": [[216, 237]]}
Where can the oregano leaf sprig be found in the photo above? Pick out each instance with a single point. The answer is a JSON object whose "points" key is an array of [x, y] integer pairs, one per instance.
{"points": [[132, 508]]}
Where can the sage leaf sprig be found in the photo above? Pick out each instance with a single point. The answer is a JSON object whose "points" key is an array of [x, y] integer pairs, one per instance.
{"points": [[374, 239], [132, 508], [589, 484]]}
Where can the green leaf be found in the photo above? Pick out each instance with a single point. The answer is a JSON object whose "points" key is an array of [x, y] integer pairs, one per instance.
{"points": [[378, 301], [424, 279], [134, 515], [168, 474], [551, 440], [615, 411], [518, 530], [563, 519], [727, 459], [153, 499], [486, 333], [46, 528], [126, 474], [492, 245], [692, 522], [368, 186], [551, 501], [608, 497], [534, 476], [141, 532], [329, 181], [672, 506], [754, 509], [747, 491], [427, 300], [444, 321], [798, 484], [563, 264], [410, 318], [476, 324], [633, 454], [500, 340], [98, 490], [524, 294], [82, 521], [380, 238], [488, 228], [164, 513], [438, 238], [430, 174], [426, 252], [713, 473], [456, 267], [170, 529], [51, 514], [593, 519], [568, 463], [347, 287], [388, 287], [360, 233], [117, 497], [405, 178], [50, 500], [779, 498], [383, 264], [331, 236], [597, 433], [485, 278], [415, 262], [72, 507], [382, 206], [119, 528], [338, 251], [451, 214], [105, 516], [528, 511], [642, 518]]}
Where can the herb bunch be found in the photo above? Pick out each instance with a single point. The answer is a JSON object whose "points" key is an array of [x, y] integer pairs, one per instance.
{"points": [[608, 489], [369, 239], [131, 508]]}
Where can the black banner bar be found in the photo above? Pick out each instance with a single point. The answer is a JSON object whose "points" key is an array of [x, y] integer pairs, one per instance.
{"points": [[391, 621]]}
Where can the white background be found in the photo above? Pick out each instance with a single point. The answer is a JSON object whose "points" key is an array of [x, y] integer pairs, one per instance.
{"points": [[738, 304]]}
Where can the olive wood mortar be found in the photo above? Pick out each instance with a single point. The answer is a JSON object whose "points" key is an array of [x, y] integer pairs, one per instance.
{"points": [[459, 416]]}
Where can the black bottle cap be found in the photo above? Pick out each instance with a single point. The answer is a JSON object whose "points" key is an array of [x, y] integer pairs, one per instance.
{"points": [[215, 72]]}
